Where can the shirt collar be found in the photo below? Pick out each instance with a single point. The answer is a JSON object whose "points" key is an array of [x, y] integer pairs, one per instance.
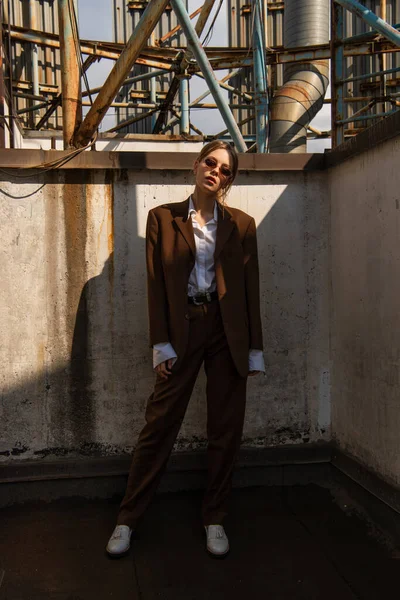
{"points": [[193, 210]]}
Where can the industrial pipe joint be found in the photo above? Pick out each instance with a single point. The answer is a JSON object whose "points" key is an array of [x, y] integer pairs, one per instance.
{"points": [[295, 104]]}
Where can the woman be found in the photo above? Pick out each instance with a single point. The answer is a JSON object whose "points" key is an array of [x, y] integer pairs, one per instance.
{"points": [[204, 306]]}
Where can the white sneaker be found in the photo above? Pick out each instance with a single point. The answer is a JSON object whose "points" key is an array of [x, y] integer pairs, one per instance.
{"points": [[119, 542], [217, 541]]}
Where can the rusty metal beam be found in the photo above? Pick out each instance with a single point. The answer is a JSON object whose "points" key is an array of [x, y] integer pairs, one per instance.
{"points": [[166, 37], [2, 88], [70, 73], [205, 13], [220, 58], [120, 71], [52, 41]]}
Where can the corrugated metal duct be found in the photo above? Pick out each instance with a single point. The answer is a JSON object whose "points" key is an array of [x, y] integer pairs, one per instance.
{"points": [[301, 96]]}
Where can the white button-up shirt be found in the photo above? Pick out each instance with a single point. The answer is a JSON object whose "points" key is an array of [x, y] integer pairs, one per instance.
{"points": [[202, 277], [201, 280]]}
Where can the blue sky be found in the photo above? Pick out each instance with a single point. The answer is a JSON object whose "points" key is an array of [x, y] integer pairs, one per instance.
{"points": [[95, 22]]}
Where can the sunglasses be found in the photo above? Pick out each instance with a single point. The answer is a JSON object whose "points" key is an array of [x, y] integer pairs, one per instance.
{"points": [[212, 163]]}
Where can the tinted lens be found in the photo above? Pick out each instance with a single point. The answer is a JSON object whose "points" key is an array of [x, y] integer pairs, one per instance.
{"points": [[211, 162]]}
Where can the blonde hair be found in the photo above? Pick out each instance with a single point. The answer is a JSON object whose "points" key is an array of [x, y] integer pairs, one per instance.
{"points": [[221, 145]]}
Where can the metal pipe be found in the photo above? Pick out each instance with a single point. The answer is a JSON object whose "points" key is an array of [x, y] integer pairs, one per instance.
{"points": [[202, 60], [184, 97], [130, 80], [183, 63], [70, 74], [216, 136], [230, 88], [178, 116], [119, 73], [132, 120], [362, 110], [368, 75], [153, 99], [300, 98], [153, 87], [204, 95], [34, 50], [260, 77], [365, 37], [2, 87], [367, 117], [372, 19], [7, 9], [382, 60], [337, 69], [128, 105]]}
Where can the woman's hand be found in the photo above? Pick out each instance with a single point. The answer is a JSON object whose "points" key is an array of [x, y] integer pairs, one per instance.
{"points": [[164, 368], [252, 373]]}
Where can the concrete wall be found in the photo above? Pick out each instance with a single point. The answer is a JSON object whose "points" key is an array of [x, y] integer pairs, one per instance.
{"points": [[75, 366], [365, 320]]}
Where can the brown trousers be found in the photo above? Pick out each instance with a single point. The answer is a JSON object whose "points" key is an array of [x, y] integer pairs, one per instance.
{"points": [[166, 407]]}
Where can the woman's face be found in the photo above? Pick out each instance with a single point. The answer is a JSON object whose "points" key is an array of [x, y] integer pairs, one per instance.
{"points": [[214, 171]]}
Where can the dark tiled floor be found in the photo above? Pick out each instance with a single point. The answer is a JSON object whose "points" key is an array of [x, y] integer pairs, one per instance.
{"points": [[287, 543]]}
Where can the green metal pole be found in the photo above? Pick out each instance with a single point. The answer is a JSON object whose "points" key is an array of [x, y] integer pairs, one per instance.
{"points": [[205, 67]]}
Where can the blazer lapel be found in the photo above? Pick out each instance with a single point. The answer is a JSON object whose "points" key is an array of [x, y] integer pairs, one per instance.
{"points": [[224, 229], [184, 224]]}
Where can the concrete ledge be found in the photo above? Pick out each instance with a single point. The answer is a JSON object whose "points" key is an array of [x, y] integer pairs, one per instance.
{"points": [[366, 140], [353, 497], [114, 466], [25, 160], [366, 479], [105, 477]]}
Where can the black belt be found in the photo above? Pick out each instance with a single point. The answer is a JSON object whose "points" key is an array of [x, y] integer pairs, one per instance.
{"points": [[200, 299]]}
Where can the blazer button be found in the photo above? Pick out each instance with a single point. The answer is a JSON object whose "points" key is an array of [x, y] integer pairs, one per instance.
{"points": [[187, 316]]}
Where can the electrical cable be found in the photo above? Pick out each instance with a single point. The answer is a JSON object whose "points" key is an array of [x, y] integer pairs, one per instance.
{"points": [[51, 165], [209, 33]]}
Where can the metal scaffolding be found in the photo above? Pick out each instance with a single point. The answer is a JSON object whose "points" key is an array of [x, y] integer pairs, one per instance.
{"points": [[45, 64]]}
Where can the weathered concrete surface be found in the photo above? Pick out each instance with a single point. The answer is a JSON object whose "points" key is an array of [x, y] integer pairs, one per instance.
{"points": [[365, 320], [75, 365]]}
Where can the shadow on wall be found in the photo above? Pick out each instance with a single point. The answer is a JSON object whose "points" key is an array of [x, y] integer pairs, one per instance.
{"points": [[95, 404]]}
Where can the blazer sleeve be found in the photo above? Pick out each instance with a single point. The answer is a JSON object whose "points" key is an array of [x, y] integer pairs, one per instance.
{"points": [[252, 283], [156, 290]]}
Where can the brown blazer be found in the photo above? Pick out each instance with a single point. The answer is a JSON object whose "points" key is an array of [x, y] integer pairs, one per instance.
{"points": [[170, 253]]}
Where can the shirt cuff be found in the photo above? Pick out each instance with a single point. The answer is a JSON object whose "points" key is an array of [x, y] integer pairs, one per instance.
{"points": [[163, 352], [256, 360]]}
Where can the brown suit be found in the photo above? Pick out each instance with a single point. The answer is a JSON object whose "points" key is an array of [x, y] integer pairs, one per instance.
{"points": [[170, 259], [218, 334]]}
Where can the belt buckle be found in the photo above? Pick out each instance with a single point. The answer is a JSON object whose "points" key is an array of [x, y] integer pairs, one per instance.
{"points": [[198, 302], [207, 296]]}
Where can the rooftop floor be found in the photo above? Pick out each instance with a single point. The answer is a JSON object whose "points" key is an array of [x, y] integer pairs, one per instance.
{"points": [[286, 543]]}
